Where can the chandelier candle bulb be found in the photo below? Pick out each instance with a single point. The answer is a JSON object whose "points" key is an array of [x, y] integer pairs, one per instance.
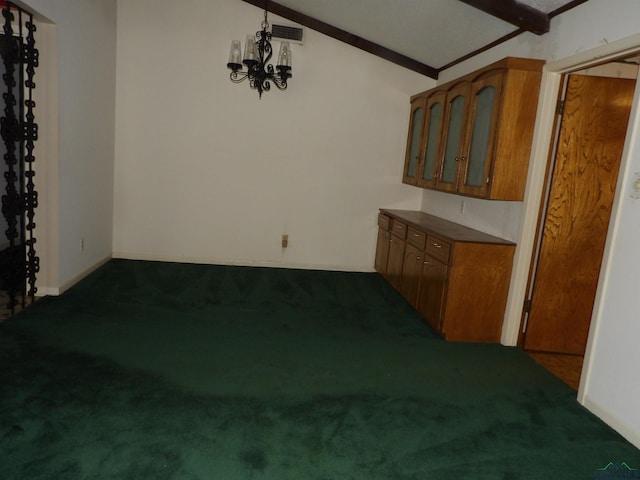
{"points": [[234, 53], [284, 57], [250, 53]]}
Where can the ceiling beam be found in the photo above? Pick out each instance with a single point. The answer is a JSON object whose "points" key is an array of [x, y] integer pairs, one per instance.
{"points": [[518, 14], [346, 37]]}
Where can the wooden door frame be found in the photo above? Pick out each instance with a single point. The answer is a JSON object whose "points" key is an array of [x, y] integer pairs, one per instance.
{"points": [[542, 208], [543, 137]]}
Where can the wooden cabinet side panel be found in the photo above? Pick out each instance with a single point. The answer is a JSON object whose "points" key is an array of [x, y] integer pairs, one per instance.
{"points": [[382, 251], [478, 284], [515, 134]]}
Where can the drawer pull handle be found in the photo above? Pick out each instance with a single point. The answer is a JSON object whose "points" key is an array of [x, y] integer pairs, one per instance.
{"points": [[437, 245], [426, 262]]}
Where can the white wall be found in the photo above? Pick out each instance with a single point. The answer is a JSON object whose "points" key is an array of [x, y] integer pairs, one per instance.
{"points": [[207, 172], [610, 384], [75, 97]]}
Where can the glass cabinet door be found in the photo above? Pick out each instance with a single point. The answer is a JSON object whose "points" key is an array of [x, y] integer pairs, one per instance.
{"points": [[454, 120], [414, 142], [485, 95], [433, 130]]}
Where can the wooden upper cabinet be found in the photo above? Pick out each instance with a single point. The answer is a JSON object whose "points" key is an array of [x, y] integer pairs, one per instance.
{"points": [[413, 157], [477, 153], [453, 134], [432, 132], [479, 142]]}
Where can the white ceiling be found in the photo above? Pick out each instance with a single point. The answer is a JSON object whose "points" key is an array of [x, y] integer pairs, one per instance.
{"points": [[432, 32]]}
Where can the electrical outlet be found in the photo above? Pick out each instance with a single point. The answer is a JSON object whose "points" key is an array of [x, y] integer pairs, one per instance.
{"points": [[285, 240], [462, 205], [635, 186]]}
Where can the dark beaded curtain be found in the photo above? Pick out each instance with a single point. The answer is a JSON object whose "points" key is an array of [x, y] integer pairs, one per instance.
{"points": [[19, 263]]}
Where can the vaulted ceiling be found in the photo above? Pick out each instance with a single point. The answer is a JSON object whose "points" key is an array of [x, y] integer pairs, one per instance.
{"points": [[426, 36]]}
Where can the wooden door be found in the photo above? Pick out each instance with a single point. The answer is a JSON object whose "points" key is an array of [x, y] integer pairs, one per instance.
{"points": [[574, 229]]}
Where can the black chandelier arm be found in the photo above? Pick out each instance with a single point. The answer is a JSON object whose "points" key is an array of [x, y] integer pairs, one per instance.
{"points": [[238, 76], [280, 83]]}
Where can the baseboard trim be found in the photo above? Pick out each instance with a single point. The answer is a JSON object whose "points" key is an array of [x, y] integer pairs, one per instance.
{"points": [[55, 291], [613, 421], [243, 263]]}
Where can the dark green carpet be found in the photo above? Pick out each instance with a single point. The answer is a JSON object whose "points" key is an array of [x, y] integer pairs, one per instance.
{"points": [[152, 370]]}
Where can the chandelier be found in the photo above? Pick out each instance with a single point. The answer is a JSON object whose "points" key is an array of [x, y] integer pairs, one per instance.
{"points": [[257, 53]]}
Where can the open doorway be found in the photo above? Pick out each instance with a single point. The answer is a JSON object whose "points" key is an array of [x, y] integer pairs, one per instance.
{"points": [[576, 205]]}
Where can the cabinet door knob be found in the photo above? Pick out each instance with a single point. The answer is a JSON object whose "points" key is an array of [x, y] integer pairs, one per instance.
{"points": [[418, 258]]}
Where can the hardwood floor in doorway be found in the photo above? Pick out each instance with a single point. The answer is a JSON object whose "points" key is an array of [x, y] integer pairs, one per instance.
{"points": [[566, 367]]}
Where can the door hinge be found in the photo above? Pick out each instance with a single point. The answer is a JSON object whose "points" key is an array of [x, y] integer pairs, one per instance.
{"points": [[560, 107], [526, 307]]}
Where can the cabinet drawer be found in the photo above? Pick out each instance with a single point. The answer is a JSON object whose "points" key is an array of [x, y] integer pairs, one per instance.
{"points": [[416, 238], [383, 221], [399, 229], [438, 248]]}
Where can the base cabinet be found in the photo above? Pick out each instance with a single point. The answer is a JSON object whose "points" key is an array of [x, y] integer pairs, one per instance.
{"points": [[431, 297], [457, 278], [382, 251], [395, 261], [411, 273]]}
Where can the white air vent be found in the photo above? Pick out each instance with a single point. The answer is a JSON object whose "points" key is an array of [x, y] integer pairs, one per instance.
{"points": [[290, 33]]}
